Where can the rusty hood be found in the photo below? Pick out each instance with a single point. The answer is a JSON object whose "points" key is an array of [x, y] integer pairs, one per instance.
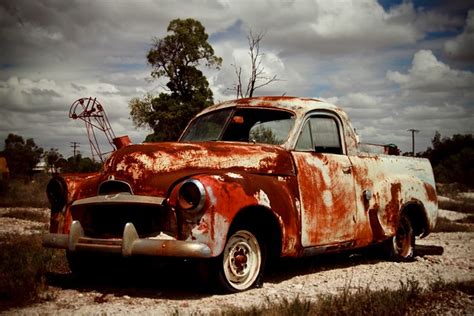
{"points": [[152, 168]]}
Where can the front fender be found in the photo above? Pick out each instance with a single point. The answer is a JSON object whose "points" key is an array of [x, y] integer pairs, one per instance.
{"points": [[229, 193], [77, 186]]}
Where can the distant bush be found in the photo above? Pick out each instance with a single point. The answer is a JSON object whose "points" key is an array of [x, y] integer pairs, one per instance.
{"points": [[25, 192], [451, 158]]}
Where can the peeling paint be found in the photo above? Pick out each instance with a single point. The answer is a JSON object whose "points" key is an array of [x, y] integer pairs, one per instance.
{"points": [[262, 199], [317, 200]]}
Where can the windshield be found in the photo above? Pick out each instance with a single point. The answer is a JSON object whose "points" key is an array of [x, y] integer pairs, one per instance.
{"points": [[267, 126]]}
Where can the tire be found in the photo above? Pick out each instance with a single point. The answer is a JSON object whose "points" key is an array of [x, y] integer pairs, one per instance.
{"points": [[402, 245], [240, 267]]}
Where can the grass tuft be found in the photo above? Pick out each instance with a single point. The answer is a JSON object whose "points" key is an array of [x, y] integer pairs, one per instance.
{"points": [[361, 302], [23, 266]]}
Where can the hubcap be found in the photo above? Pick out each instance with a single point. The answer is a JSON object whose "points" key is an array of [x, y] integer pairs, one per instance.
{"points": [[402, 240], [242, 260]]}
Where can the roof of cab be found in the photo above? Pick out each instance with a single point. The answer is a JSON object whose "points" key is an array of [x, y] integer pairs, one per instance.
{"points": [[298, 105]]}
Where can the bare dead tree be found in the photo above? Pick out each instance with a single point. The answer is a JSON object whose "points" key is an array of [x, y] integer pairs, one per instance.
{"points": [[258, 78]]}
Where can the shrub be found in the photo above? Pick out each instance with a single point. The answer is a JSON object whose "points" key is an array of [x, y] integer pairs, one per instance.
{"points": [[23, 266], [25, 192]]}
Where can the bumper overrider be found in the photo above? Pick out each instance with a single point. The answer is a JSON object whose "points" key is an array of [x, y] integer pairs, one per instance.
{"points": [[130, 244]]}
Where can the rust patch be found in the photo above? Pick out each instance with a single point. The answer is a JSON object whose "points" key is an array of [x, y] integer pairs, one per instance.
{"points": [[430, 192]]}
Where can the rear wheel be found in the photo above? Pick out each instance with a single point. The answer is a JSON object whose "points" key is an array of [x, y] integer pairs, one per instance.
{"points": [[402, 245], [241, 264]]}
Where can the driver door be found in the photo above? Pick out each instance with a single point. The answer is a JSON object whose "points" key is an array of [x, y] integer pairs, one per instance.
{"points": [[326, 183]]}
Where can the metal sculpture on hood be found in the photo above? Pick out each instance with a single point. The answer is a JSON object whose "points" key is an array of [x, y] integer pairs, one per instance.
{"points": [[90, 111]]}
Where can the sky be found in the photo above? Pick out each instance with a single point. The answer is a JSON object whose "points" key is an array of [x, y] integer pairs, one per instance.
{"points": [[392, 65]]}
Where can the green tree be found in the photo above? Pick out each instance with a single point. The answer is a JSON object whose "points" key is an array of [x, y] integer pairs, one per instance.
{"points": [[79, 164], [176, 57], [452, 158], [22, 156], [52, 157]]}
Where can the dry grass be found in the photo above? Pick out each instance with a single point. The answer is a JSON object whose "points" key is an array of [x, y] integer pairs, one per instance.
{"points": [[405, 300], [23, 267], [24, 192]]}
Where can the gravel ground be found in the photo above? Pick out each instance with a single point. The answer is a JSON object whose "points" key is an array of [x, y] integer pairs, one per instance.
{"points": [[440, 256]]}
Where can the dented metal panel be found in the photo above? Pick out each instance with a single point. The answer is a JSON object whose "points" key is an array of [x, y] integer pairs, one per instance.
{"points": [[328, 208]]}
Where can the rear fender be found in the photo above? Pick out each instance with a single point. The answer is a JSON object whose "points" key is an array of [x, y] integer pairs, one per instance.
{"points": [[397, 194]]}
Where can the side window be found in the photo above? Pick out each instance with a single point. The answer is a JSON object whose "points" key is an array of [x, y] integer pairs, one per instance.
{"points": [[304, 142], [320, 134]]}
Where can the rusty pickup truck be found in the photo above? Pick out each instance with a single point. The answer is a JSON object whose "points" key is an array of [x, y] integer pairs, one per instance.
{"points": [[249, 180]]}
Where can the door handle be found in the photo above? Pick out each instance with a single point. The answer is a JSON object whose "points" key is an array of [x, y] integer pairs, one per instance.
{"points": [[347, 169]]}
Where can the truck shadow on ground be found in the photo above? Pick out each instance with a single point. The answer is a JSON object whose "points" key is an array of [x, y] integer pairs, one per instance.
{"points": [[181, 280]]}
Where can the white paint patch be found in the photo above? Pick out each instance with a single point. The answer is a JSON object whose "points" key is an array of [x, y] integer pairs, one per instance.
{"points": [[262, 198], [221, 226], [318, 163], [220, 178], [234, 175], [212, 197], [327, 198]]}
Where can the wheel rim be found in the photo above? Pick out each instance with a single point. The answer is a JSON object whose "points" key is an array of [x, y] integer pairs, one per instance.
{"points": [[242, 260], [402, 242]]}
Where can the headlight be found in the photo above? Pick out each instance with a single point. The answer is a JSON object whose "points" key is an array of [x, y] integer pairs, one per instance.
{"points": [[191, 195], [57, 194]]}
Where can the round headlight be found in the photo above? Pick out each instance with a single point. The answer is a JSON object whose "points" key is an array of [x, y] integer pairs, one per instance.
{"points": [[191, 195], [57, 194]]}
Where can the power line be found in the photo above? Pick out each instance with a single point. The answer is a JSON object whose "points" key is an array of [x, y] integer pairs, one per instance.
{"points": [[75, 145]]}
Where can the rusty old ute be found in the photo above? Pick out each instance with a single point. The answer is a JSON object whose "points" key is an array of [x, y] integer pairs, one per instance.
{"points": [[248, 180]]}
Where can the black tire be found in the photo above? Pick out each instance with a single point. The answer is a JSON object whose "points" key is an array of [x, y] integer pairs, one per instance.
{"points": [[402, 246], [241, 264]]}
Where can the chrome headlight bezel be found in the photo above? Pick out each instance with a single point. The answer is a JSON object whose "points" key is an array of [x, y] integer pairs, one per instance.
{"points": [[191, 196]]}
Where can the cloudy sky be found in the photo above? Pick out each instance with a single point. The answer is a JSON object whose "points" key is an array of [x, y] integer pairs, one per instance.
{"points": [[393, 65]]}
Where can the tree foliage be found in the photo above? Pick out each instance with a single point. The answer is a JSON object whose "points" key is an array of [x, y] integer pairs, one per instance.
{"points": [[22, 156], [452, 158], [176, 57], [52, 157], [78, 164]]}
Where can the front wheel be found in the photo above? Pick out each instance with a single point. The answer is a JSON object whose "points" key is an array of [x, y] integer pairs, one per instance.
{"points": [[402, 245], [241, 264]]}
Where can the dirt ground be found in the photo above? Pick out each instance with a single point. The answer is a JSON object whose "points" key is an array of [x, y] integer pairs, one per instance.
{"points": [[176, 289]]}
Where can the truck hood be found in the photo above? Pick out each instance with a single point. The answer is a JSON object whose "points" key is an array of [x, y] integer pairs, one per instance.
{"points": [[152, 168]]}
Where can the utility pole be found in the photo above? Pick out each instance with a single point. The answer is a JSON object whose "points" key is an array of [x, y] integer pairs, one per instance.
{"points": [[75, 145], [413, 131]]}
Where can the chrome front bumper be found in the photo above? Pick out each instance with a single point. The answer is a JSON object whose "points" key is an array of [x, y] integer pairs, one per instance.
{"points": [[129, 245]]}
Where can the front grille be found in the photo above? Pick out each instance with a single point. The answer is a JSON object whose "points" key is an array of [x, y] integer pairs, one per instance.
{"points": [[113, 187], [108, 221]]}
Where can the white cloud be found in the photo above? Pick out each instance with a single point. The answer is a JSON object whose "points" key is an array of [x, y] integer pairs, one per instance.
{"points": [[462, 46], [431, 75], [353, 53]]}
